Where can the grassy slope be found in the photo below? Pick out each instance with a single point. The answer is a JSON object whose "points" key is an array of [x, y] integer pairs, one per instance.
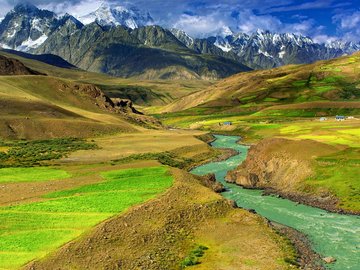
{"points": [[64, 215], [162, 233], [44, 106], [52, 106], [141, 91], [322, 85], [31, 174]]}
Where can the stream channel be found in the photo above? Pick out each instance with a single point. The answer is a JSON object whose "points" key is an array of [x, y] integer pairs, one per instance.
{"points": [[330, 234]]}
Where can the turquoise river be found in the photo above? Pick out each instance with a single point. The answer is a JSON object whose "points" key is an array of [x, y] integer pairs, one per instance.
{"points": [[330, 234]]}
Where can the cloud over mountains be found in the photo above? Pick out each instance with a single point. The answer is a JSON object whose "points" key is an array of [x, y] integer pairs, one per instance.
{"points": [[322, 20]]}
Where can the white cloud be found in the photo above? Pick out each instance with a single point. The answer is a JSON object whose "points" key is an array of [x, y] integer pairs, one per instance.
{"points": [[348, 21], [201, 26], [348, 25], [76, 9], [248, 22], [324, 38], [317, 4]]}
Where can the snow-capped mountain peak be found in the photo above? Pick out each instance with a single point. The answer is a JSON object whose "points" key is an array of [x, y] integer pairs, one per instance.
{"points": [[182, 36], [27, 27], [113, 15]]}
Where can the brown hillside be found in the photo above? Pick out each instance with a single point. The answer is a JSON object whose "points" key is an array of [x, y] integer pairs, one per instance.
{"points": [[10, 66], [282, 165], [333, 80]]}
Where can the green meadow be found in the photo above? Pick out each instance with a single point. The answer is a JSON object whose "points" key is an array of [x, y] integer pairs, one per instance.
{"points": [[32, 174], [339, 173], [32, 230]]}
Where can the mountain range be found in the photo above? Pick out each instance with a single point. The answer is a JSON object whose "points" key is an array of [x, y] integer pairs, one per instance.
{"points": [[124, 41]]}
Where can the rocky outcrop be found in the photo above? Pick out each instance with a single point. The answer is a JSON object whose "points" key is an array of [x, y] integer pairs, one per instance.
{"points": [[10, 66], [210, 181], [280, 166], [269, 166], [124, 107]]}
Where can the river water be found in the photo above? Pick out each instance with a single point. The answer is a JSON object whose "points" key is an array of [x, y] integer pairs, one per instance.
{"points": [[330, 234]]}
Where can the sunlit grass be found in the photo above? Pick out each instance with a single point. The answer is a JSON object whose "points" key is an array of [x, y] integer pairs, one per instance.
{"points": [[35, 174], [339, 173], [29, 231]]}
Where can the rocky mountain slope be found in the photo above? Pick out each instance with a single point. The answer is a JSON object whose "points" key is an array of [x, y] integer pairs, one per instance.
{"points": [[27, 27], [263, 49], [149, 52], [50, 59]]}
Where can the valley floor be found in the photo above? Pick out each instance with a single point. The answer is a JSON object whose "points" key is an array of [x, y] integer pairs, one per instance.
{"points": [[302, 158], [122, 209]]}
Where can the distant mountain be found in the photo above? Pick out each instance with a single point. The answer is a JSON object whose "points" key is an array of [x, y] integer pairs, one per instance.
{"points": [[150, 52], [115, 15], [118, 40], [264, 49], [205, 45], [27, 27]]}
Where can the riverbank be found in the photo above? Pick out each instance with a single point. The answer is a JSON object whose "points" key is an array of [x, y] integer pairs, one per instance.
{"points": [[331, 235], [307, 259], [296, 170]]}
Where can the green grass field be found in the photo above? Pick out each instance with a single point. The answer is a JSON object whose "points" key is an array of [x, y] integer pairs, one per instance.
{"points": [[32, 230], [34, 174], [339, 173]]}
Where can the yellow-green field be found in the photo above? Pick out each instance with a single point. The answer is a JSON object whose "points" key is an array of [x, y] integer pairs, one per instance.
{"points": [[31, 230]]}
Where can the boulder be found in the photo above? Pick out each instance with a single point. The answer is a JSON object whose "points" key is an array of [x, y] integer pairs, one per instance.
{"points": [[329, 260]]}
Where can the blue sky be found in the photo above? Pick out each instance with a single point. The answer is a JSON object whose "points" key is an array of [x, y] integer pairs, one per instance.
{"points": [[322, 20]]}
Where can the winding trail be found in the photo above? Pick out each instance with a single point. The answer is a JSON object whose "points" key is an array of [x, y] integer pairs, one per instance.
{"points": [[330, 234]]}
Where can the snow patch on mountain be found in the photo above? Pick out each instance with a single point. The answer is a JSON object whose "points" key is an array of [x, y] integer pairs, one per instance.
{"points": [[32, 44], [183, 37], [114, 15], [223, 44]]}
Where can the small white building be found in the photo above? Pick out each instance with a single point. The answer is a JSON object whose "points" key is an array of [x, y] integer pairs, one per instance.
{"points": [[340, 118]]}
